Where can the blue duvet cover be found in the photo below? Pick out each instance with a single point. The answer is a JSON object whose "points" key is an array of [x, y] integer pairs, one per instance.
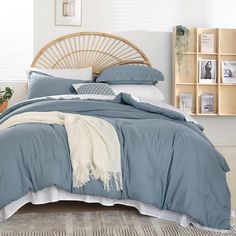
{"points": [[166, 161]]}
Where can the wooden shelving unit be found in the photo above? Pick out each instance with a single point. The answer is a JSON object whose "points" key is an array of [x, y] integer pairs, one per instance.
{"points": [[186, 78]]}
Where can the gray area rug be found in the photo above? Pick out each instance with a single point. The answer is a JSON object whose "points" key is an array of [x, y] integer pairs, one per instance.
{"points": [[96, 223]]}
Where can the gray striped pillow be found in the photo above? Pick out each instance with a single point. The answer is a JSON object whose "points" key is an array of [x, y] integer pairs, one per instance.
{"points": [[93, 88]]}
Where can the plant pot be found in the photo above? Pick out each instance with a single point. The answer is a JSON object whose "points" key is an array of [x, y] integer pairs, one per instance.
{"points": [[3, 106]]}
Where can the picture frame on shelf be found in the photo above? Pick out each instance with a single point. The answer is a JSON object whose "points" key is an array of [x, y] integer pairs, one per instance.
{"points": [[207, 43], [68, 12], [207, 103], [207, 71], [186, 102], [228, 72]]}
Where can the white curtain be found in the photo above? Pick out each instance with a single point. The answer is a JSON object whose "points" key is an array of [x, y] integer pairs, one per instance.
{"points": [[16, 38]]}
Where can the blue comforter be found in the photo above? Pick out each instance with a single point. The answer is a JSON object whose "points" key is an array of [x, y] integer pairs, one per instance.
{"points": [[166, 161]]}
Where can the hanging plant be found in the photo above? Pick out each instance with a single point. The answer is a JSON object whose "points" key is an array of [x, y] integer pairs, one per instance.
{"points": [[181, 43]]}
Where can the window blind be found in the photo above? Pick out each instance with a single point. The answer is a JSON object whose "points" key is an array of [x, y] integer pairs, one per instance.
{"points": [[16, 38]]}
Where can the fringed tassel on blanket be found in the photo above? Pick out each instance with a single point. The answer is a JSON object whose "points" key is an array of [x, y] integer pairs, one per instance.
{"points": [[90, 172]]}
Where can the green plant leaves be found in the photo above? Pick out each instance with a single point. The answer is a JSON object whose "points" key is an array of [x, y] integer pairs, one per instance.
{"points": [[181, 43], [6, 94]]}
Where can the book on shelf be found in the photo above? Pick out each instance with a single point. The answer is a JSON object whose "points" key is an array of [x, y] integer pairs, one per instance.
{"points": [[207, 43], [207, 103], [186, 102], [229, 72], [207, 71]]}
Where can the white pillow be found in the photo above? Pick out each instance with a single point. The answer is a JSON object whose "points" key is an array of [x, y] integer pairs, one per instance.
{"points": [[85, 74], [149, 92]]}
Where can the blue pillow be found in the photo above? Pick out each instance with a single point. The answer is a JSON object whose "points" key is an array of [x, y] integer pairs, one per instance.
{"points": [[130, 74], [41, 85]]}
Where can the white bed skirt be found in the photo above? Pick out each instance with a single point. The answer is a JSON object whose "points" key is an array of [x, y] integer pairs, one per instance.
{"points": [[53, 194]]}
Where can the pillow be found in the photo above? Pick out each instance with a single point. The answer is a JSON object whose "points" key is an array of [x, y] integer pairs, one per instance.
{"points": [[75, 74], [93, 88], [130, 74], [148, 92], [41, 85]]}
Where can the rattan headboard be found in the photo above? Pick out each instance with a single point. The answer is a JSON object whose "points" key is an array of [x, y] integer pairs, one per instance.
{"points": [[84, 49]]}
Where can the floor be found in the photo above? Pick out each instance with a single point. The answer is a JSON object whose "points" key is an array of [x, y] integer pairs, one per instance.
{"points": [[228, 152]]}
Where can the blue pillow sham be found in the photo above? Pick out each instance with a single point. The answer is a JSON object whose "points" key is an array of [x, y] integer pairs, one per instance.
{"points": [[41, 85], [130, 74]]}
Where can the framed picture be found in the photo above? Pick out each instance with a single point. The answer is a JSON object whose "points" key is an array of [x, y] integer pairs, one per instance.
{"points": [[68, 12], [207, 71], [229, 72], [207, 43], [207, 103], [186, 102]]}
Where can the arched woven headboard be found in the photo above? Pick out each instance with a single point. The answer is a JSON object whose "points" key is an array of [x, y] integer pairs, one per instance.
{"points": [[84, 49]]}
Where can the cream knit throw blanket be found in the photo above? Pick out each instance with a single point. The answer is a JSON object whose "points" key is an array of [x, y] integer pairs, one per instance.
{"points": [[93, 143]]}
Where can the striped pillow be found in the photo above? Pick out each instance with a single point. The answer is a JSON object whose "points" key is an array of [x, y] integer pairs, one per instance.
{"points": [[93, 88]]}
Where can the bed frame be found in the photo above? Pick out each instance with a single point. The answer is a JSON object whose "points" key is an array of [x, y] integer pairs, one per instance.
{"points": [[79, 50]]}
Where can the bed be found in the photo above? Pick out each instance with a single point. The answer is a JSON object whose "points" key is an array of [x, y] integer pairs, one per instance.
{"points": [[165, 166]]}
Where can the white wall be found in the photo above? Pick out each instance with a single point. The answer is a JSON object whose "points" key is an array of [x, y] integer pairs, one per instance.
{"points": [[152, 33], [194, 13], [108, 16], [222, 13]]}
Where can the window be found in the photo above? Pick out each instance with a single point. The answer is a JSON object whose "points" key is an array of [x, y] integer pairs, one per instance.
{"points": [[16, 38]]}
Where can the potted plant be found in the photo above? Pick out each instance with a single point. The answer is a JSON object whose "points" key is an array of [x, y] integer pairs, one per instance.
{"points": [[5, 96], [181, 43]]}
